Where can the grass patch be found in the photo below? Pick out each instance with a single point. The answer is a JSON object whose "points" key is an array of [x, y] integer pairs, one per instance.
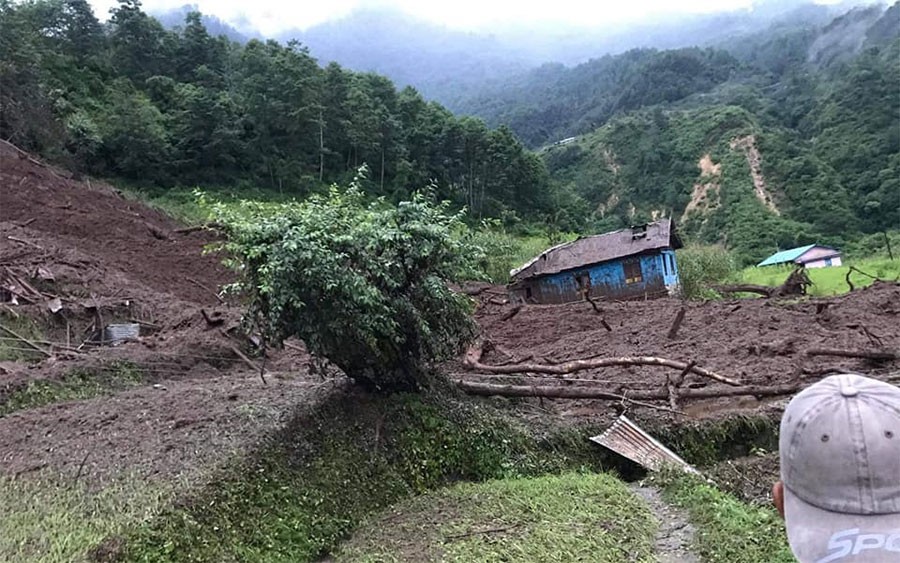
{"points": [[701, 266], [13, 349], [77, 384], [568, 517], [314, 482], [59, 521], [826, 281], [503, 251], [728, 530]]}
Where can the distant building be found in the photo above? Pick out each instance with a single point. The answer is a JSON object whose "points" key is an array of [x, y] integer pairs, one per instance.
{"points": [[630, 263], [809, 256]]}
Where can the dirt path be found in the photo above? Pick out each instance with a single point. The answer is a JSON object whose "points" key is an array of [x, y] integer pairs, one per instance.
{"points": [[675, 534]]}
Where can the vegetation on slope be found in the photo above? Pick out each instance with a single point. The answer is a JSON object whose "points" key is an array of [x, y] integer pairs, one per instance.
{"points": [[315, 481], [135, 101], [61, 520]]}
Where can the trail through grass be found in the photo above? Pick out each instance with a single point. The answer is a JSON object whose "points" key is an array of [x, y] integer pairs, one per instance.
{"points": [[727, 529]]}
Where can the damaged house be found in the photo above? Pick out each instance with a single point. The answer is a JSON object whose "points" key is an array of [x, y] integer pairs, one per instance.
{"points": [[638, 262]]}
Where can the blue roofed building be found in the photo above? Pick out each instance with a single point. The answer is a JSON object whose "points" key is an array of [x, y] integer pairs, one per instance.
{"points": [[809, 256], [638, 262]]}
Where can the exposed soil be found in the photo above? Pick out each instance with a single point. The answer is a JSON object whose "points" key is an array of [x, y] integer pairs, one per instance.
{"points": [[114, 260], [198, 402], [754, 159]]}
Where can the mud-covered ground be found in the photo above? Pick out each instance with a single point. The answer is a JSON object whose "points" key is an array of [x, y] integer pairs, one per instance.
{"points": [[759, 342]]}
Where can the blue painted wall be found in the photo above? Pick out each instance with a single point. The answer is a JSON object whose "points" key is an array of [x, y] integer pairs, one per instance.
{"points": [[658, 271]]}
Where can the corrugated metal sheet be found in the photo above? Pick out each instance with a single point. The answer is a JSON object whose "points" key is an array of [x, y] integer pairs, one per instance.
{"points": [[627, 439], [116, 334], [600, 248]]}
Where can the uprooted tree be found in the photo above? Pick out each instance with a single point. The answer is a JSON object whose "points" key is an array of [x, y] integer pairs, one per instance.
{"points": [[363, 284], [795, 284]]}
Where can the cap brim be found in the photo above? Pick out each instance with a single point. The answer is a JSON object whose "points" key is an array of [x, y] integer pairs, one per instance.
{"points": [[816, 534]]}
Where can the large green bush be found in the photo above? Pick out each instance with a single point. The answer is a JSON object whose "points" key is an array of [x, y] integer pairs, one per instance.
{"points": [[364, 285], [699, 267]]}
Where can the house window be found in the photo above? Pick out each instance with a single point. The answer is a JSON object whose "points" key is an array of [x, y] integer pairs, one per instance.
{"points": [[633, 272], [665, 262]]}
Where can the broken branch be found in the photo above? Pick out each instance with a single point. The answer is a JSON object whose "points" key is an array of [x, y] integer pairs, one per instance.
{"points": [[248, 361], [204, 227], [201, 286], [878, 355], [679, 318], [673, 383]]}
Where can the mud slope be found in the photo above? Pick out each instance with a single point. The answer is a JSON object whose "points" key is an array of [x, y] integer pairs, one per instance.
{"points": [[190, 400]]}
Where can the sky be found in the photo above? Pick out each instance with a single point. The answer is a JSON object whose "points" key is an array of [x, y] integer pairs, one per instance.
{"points": [[272, 16]]}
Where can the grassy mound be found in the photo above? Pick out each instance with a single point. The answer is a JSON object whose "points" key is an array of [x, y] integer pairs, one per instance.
{"points": [[568, 517]]}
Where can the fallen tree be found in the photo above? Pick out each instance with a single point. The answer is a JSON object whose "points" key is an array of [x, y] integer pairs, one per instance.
{"points": [[473, 356], [795, 284], [584, 392]]}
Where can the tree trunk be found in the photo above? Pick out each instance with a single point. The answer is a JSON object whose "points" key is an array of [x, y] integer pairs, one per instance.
{"points": [[582, 392], [795, 284], [472, 361], [321, 147]]}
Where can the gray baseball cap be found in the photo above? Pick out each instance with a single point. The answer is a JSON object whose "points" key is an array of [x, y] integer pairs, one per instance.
{"points": [[840, 464]]}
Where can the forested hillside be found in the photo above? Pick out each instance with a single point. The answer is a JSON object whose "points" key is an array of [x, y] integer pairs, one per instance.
{"points": [[134, 101], [791, 137]]}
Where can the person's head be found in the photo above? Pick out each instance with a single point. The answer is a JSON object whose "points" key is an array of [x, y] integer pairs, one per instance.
{"points": [[840, 471]]}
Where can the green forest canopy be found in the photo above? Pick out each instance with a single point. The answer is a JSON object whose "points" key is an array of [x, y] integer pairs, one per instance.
{"points": [[131, 100]]}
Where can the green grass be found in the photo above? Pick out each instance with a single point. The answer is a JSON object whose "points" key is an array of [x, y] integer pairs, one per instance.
{"points": [[568, 517], [183, 203], [60, 520], [826, 281], [728, 530], [77, 384], [504, 251], [12, 349]]}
